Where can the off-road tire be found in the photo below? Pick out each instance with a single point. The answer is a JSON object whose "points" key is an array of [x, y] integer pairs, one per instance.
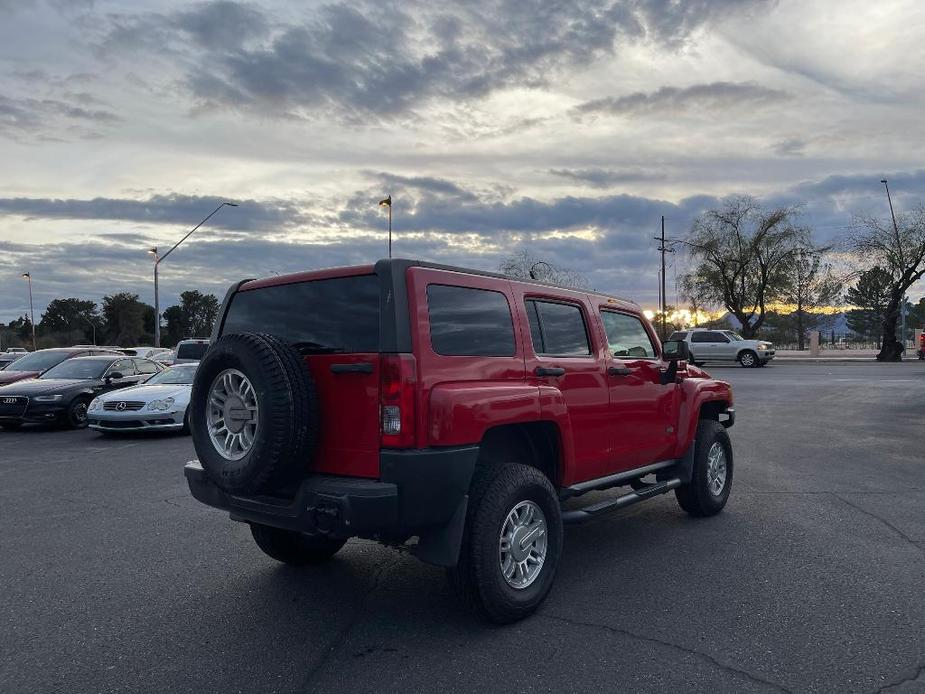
{"points": [[72, 416], [748, 359], [696, 497], [477, 578], [287, 419], [293, 548]]}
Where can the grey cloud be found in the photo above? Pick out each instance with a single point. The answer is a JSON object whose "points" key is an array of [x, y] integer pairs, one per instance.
{"points": [[674, 100], [364, 59], [183, 210], [30, 116], [603, 178]]}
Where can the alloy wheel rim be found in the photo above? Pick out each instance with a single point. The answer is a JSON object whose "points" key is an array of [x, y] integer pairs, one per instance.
{"points": [[232, 414], [522, 544], [716, 468], [80, 413], [748, 359]]}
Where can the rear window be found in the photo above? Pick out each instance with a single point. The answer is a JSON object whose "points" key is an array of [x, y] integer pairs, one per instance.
{"points": [[192, 350], [469, 322], [325, 316]]}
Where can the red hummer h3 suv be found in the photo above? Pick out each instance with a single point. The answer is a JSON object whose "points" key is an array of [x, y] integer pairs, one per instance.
{"points": [[450, 412]]}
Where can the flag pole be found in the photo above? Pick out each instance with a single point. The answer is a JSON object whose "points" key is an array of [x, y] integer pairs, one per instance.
{"points": [[390, 227]]}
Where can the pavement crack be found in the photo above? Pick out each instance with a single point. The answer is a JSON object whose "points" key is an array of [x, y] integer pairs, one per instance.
{"points": [[341, 637], [916, 674], [700, 655], [885, 522]]}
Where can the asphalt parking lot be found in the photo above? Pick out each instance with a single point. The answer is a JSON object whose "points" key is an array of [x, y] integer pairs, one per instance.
{"points": [[113, 579]]}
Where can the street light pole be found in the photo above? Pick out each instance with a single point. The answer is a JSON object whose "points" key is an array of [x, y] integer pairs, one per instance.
{"points": [[663, 299], [28, 276], [159, 259], [902, 301]]}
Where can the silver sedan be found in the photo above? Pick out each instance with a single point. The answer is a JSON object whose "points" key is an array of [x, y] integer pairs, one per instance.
{"points": [[160, 404]]}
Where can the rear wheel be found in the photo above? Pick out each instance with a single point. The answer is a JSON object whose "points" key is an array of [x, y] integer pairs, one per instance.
{"points": [[76, 415], [748, 359], [512, 543], [293, 548], [708, 491]]}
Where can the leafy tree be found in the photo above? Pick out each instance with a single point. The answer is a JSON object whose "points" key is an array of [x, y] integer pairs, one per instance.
{"points": [[744, 255], [68, 316], [869, 297], [124, 318], [193, 317], [900, 250], [810, 284], [519, 266], [22, 328]]}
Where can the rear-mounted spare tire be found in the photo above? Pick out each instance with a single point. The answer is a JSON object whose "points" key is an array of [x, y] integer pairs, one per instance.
{"points": [[253, 413]]}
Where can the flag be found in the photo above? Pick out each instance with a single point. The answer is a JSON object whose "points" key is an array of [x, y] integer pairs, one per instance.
{"points": [[386, 203]]}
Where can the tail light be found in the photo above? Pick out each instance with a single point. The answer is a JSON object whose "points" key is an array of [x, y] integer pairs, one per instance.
{"points": [[398, 374]]}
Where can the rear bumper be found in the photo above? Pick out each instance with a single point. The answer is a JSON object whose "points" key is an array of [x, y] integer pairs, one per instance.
{"points": [[420, 492]]}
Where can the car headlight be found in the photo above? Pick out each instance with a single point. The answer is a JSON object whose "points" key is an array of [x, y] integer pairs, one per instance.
{"points": [[95, 405], [48, 398], [764, 345], [161, 405]]}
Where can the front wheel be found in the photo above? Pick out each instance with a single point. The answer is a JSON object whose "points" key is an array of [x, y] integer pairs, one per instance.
{"points": [[711, 480], [294, 548], [512, 543], [76, 415], [748, 359]]}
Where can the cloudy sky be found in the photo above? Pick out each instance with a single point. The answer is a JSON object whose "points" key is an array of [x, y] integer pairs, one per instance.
{"points": [[564, 128]]}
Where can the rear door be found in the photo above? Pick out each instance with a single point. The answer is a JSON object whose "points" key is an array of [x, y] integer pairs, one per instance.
{"points": [[642, 410], [334, 323], [707, 345]]}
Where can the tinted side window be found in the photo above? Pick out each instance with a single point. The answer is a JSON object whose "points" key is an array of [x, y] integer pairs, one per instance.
{"points": [[708, 336], [678, 335], [146, 367], [626, 335], [334, 315], [124, 367], [560, 327], [467, 321]]}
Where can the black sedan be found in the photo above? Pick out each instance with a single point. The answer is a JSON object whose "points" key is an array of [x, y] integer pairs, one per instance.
{"points": [[63, 393]]}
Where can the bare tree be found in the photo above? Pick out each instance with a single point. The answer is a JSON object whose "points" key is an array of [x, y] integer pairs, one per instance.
{"points": [[811, 284], [900, 251], [520, 265], [744, 255]]}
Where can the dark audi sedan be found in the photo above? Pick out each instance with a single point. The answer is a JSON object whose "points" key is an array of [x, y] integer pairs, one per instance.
{"points": [[63, 393]]}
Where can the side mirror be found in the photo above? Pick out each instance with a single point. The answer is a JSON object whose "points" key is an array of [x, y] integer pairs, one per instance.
{"points": [[675, 350], [114, 376]]}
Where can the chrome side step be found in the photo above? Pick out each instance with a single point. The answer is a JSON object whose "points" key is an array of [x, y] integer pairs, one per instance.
{"points": [[588, 512], [614, 480]]}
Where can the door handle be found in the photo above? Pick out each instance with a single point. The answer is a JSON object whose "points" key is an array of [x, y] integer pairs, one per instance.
{"points": [[619, 371], [549, 371], [360, 368]]}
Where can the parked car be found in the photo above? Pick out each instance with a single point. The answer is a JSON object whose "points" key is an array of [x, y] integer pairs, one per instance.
{"points": [[411, 400], [63, 393], [920, 352], [707, 345], [35, 363], [146, 352], [157, 405], [11, 355], [190, 350]]}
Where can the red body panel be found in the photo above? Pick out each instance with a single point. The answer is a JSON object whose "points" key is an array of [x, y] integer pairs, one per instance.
{"points": [[349, 413], [7, 377]]}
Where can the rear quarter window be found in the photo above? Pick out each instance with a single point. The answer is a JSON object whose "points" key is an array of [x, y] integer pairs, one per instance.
{"points": [[323, 316], [192, 350], [465, 321]]}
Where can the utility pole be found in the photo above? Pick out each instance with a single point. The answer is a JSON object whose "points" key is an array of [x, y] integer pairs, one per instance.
{"points": [[902, 300], [28, 276], [663, 299]]}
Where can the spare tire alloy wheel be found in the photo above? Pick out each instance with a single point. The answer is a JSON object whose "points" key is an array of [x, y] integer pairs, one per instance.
{"points": [[233, 414]]}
